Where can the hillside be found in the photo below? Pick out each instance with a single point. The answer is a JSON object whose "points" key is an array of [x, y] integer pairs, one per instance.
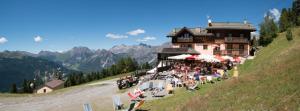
{"points": [[268, 82], [15, 67]]}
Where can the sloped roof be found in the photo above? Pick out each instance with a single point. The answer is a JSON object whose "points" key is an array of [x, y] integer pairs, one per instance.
{"points": [[231, 25], [195, 31], [54, 83], [184, 50]]}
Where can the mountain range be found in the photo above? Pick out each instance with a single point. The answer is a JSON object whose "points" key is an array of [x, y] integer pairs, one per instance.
{"points": [[15, 66]]}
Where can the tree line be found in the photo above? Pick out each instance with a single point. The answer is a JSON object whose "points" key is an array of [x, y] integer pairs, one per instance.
{"points": [[290, 17], [124, 65]]}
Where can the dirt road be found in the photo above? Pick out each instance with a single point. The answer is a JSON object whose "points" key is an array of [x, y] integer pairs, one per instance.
{"points": [[98, 94]]}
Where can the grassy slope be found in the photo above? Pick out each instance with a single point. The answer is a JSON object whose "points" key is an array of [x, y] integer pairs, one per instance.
{"points": [[269, 82]]}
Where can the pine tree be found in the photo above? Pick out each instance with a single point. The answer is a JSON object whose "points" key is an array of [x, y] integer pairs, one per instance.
{"points": [[13, 88], [296, 12], [289, 35], [254, 42], [283, 22], [25, 86], [268, 30]]}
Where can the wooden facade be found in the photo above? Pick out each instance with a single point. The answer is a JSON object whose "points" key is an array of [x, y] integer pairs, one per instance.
{"points": [[227, 38]]}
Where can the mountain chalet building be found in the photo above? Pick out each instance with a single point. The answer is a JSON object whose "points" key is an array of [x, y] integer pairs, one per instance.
{"points": [[218, 38]]}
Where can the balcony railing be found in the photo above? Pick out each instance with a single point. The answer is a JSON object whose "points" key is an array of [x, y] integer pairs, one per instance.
{"points": [[231, 52], [185, 40], [236, 40]]}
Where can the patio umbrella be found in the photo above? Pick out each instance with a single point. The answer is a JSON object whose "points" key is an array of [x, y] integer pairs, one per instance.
{"points": [[228, 58], [219, 58], [207, 58], [192, 57], [179, 57], [237, 59]]}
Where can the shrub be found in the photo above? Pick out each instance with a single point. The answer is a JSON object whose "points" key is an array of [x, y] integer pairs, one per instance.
{"points": [[289, 35]]}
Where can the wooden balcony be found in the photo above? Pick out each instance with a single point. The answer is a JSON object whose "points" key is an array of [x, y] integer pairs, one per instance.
{"points": [[184, 40], [231, 52], [236, 40]]}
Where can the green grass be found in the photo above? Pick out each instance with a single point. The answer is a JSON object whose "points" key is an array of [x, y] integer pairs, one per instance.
{"points": [[271, 81]]}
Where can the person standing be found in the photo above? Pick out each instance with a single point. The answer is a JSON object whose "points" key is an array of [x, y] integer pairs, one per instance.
{"points": [[235, 72]]}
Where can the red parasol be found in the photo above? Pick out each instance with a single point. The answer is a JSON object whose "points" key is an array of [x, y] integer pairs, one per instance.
{"points": [[192, 57]]}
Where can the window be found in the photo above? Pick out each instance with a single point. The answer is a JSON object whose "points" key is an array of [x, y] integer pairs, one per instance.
{"points": [[185, 38], [241, 35], [204, 47], [241, 46], [186, 45], [229, 35], [229, 46], [217, 34]]}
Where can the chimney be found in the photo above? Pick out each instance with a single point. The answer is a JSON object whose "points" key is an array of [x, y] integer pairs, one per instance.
{"points": [[198, 29], [245, 21], [209, 22]]}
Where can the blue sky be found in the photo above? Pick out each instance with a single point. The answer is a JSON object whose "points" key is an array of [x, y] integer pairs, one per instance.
{"points": [[59, 25]]}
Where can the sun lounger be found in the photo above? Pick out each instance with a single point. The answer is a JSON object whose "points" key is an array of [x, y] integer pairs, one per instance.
{"points": [[139, 104], [193, 87], [160, 90], [161, 93], [160, 85], [151, 85], [87, 107], [144, 86], [117, 103], [132, 96]]}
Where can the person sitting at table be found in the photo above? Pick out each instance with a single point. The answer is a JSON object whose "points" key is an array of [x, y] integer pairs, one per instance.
{"points": [[216, 74], [196, 75]]}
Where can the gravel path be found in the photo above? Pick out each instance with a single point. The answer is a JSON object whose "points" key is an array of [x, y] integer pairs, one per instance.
{"points": [[99, 95]]}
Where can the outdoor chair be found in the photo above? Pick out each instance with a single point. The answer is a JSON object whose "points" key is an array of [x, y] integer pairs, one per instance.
{"points": [[194, 86], [210, 79], [87, 107], [202, 79], [169, 89], [117, 103]]}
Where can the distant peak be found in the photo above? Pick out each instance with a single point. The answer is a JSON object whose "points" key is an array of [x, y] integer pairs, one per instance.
{"points": [[145, 45]]}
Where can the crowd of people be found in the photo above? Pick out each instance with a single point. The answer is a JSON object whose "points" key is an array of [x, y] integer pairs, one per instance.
{"points": [[181, 74], [189, 74]]}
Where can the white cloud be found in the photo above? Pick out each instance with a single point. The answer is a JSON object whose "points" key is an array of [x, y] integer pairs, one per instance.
{"points": [[145, 39], [149, 38], [274, 14], [3, 40], [136, 32], [38, 39], [254, 34], [116, 36]]}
